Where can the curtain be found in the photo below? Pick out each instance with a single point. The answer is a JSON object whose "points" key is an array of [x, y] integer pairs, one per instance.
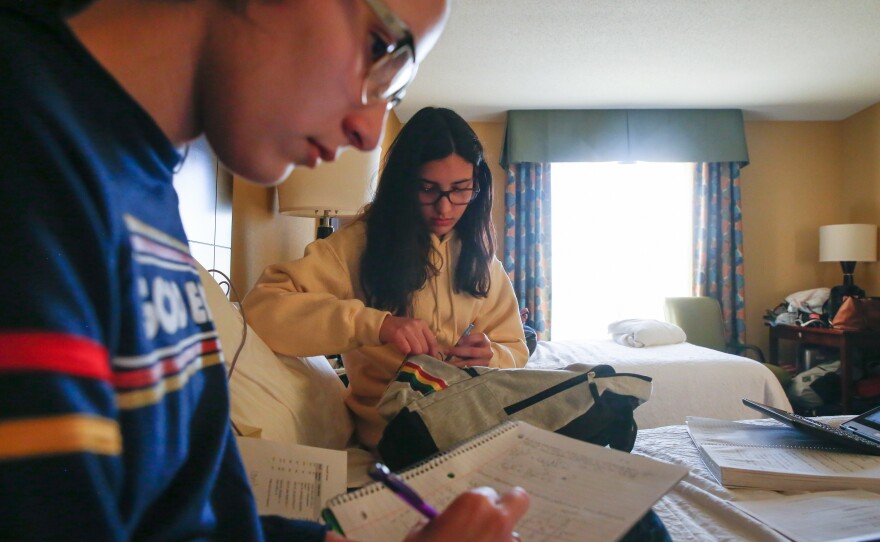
{"points": [[624, 135], [527, 240], [718, 242]]}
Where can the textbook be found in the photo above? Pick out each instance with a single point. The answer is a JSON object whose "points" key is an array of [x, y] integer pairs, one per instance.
{"points": [[779, 457], [579, 491]]}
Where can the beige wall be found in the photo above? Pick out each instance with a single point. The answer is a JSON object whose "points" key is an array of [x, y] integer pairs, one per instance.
{"points": [[802, 175], [260, 236], [861, 183], [789, 189], [491, 135]]}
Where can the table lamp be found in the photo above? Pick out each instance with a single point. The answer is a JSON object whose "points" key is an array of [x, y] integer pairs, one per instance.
{"points": [[333, 189], [847, 244]]}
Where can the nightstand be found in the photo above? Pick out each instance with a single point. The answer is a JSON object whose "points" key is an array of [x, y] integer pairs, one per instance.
{"points": [[847, 342]]}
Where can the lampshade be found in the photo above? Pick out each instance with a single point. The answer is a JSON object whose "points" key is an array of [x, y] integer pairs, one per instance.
{"points": [[340, 187], [848, 243]]}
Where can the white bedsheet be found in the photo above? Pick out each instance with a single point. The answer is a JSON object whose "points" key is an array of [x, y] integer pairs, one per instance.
{"points": [[688, 380]]}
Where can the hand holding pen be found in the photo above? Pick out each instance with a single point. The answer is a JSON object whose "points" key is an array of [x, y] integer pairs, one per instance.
{"points": [[381, 473], [464, 335], [472, 349], [477, 515]]}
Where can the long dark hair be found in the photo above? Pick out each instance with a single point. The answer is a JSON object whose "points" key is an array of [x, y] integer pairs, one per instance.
{"points": [[397, 260]]}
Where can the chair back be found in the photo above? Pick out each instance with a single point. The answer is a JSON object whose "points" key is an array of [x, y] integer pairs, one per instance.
{"points": [[700, 318]]}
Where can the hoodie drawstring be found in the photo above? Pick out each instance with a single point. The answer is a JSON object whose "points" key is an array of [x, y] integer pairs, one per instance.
{"points": [[443, 260]]}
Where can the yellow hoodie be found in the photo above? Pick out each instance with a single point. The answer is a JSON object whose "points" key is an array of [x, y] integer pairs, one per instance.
{"points": [[315, 305]]}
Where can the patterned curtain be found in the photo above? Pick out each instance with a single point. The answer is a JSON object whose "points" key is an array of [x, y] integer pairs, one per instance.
{"points": [[527, 240], [718, 242]]}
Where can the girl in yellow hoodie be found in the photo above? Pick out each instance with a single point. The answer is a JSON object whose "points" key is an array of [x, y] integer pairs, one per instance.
{"points": [[407, 277]]}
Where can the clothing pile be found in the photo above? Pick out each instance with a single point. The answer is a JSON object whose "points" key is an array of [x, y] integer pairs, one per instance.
{"points": [[804, 308]]}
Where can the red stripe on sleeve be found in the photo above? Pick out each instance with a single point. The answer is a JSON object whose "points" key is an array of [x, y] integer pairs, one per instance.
{"points": [[53, 352]]}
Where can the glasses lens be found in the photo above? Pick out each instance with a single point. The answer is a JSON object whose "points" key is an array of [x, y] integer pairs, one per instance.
{"points": [[427, 196], [431, 196], [389, 76], [461, 197]]}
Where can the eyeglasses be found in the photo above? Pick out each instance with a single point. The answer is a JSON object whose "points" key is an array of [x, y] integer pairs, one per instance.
{"points": [[394, 59], [456, 196]]}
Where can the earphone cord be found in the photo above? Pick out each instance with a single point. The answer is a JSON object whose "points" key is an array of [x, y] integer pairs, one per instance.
{"points": [[244, 329]]}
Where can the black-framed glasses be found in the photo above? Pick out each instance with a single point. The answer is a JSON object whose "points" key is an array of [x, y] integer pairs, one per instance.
{"points": [[394, 59], [457, 196]]}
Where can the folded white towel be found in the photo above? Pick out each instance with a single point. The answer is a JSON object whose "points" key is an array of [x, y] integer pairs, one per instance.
{"points": [[639, 333]]}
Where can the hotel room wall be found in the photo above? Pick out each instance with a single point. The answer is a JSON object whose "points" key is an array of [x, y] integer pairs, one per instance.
{"points": [[491, 135], [789, 189], [861, 184]]}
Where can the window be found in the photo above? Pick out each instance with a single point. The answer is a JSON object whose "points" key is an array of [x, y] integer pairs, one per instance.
{"points": [[621, 243], [205, 192]]}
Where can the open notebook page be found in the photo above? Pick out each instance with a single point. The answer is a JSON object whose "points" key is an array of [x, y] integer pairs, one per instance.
{"points": [[579, 491]]}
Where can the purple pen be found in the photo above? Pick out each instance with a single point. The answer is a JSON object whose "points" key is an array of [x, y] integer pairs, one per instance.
{"points": [[381, 473]]}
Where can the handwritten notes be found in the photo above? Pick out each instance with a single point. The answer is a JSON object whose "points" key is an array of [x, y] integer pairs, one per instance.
{"points": [[579, 491]]}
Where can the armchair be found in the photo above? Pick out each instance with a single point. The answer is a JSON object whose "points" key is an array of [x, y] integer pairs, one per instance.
{"points": [[702, 322]]}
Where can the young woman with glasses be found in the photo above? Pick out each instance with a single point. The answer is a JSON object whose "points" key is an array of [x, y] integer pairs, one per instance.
{"points": [[408, 277]]}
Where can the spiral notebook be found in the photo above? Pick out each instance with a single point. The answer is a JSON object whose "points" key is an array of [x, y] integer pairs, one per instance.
{"points": [[579, 491], [779, 457]]}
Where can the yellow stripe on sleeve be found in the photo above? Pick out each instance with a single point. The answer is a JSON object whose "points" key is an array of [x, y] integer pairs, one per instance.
{"points": [[70, 433]]}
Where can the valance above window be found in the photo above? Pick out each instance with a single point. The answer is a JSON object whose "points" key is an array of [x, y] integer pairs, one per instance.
{"points": [[625, 135]]}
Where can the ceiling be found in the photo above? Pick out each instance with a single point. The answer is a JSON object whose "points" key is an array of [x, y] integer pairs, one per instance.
{"points": [[774, 59]]}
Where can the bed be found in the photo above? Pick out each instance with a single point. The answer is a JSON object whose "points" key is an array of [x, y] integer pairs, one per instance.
{"points": [[688, 380], [699, 508]]}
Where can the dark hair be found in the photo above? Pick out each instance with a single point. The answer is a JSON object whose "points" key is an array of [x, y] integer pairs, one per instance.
{"points": [[396, 261]]}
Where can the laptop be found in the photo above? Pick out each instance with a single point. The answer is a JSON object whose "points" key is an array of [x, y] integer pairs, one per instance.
{"points": [[860, 434]]}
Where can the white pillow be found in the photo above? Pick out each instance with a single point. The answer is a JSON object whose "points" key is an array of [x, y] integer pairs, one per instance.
{"points": [[280, 398]]}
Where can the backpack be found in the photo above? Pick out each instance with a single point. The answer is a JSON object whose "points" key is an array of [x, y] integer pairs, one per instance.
{"points": [[802, 392], [431, 405]]}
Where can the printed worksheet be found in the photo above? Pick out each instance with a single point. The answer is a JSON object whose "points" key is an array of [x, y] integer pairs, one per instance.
{"points": [[292, 480]]}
